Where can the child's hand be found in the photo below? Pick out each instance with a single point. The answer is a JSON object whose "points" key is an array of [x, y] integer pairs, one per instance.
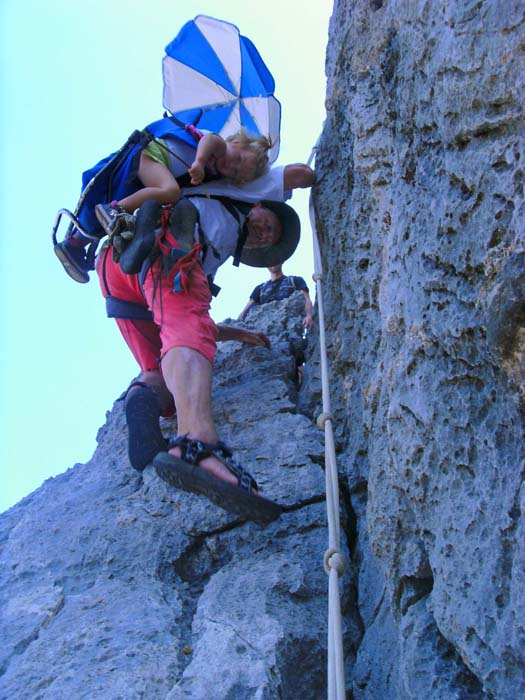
{"points": [[196, 173]]}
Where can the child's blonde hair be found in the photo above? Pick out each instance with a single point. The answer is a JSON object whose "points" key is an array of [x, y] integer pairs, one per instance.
{"points": [[259, 145]]}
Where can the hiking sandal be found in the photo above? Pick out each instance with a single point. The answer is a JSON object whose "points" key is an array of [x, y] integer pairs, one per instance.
{"points": [[145, 438], [185, 473]]}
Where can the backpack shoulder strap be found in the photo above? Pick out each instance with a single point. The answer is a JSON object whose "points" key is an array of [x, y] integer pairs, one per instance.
{"points": [[236, 208]]}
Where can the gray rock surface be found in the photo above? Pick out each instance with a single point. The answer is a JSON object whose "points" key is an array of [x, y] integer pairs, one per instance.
{"points": [[420, 210], [116, 586]]}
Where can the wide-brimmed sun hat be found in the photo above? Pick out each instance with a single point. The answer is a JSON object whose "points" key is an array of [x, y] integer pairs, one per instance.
{"points": [[279, 252]]}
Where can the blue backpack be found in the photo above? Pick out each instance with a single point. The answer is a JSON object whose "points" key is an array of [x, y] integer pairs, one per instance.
{"points": [[116, 175]]}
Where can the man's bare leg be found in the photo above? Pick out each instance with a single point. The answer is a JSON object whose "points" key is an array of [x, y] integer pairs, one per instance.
{"points": [[188, 375]]}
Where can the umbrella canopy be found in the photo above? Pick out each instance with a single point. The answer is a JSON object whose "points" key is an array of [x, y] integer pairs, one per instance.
{"points": [[216, 78]]}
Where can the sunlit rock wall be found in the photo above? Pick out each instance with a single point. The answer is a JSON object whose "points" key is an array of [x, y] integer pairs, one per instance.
{"points": [[420, 213]]}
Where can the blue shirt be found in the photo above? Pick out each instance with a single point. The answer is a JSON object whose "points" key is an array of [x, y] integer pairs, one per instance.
{"points": [[275, 290]]}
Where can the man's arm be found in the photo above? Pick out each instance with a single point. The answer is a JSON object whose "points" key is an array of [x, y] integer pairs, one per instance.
{"points": [[243, 336], [298, 175], [272, 185], [244, 312], [307, 321]]}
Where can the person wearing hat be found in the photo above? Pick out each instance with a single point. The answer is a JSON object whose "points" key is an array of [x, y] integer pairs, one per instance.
{"points": [[164, 313]]}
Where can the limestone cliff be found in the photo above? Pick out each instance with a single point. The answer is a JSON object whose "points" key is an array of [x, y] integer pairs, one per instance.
{"points": [[119, 587], [420, 210]]}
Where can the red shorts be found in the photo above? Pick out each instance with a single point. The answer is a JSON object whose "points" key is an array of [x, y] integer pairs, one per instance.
{"points": [[180, 319]]}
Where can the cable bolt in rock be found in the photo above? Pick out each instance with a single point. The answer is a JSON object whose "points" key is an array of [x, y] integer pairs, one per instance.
{"points": [[334, 559]]}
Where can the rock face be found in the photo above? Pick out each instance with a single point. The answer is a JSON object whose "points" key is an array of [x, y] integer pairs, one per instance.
{"points": [[420, 211], [116, 586]]}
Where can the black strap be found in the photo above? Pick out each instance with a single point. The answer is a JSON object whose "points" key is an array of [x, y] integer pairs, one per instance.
{"points": [[174, 119], [194, 451], [178, 122], [243, 235], [104, 271], [119, 308], [214, 288], [92, 254], [148, 262], [235, 207]]}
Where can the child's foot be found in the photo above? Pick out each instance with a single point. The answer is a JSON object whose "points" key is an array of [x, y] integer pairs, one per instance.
{"points": [[115, 220], [74, 261]]}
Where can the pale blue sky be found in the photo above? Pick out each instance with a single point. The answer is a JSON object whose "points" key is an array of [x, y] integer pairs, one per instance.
{"points": [[76, 79]]}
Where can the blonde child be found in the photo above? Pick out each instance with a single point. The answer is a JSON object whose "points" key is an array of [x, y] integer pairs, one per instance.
{"points": [[165, 166], [240, 159]]}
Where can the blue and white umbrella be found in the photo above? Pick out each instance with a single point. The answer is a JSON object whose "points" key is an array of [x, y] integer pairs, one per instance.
{"points": [[216, 77]]}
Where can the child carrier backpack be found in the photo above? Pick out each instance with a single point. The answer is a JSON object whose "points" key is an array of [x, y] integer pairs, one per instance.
{"points": [[116, 176], [212, 75]]}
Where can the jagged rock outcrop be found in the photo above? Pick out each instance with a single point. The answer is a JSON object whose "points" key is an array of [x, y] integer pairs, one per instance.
{"points": [[116, 586], [420, 211]]}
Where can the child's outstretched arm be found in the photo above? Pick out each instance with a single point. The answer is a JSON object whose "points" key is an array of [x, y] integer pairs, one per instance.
{"points": [[211, 146]]}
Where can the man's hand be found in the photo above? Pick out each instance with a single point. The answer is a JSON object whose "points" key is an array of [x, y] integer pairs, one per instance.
{"points": [[243, 336], [255, 339], [308, 308], [298, 175]]}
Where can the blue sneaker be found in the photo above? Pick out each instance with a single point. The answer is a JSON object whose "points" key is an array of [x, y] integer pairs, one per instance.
{"points": [[115, 220]]}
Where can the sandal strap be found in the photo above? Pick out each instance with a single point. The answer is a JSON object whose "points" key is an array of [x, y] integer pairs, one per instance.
{"points": [[136, 383], [194, 451]]}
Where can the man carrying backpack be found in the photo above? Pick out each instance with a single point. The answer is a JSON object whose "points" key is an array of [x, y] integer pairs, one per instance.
{"points": [[164, 313]]}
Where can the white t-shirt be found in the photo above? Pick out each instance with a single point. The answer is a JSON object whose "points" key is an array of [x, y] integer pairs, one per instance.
{"points": [[269, 186]]}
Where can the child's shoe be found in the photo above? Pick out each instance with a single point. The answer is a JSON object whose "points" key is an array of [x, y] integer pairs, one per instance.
{"points": [[74, 260], [114, 219]]}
